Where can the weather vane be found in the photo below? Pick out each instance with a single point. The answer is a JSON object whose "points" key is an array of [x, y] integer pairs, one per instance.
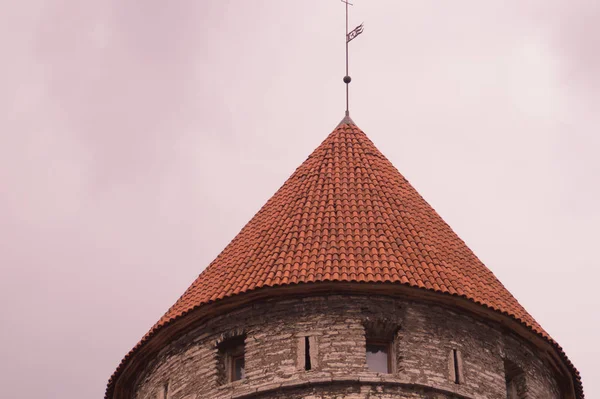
{"points": [[349, 36]]}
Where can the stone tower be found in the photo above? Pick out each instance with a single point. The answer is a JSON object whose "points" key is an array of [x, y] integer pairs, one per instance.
{"points": [[346, 284]]}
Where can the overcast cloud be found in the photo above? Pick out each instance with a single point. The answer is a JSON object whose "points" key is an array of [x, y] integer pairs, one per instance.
{"points": [[137, 138]]}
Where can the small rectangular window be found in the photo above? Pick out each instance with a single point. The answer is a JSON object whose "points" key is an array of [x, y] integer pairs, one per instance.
{"points": [[307, 364], [308, 356], [379, 357], [456, 366], [381, 339], [515, 380], [238, 367], [232, 362], [456, 372]]}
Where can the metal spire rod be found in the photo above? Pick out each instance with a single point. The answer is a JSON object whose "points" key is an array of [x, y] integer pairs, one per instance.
{"points": [[347, 78], [349, 36]]}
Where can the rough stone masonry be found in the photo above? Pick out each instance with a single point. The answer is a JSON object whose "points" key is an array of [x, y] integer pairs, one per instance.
{"points": [[436, 353]]}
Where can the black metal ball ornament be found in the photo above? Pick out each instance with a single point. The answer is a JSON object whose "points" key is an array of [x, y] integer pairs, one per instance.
{"points": [[347, 79]]}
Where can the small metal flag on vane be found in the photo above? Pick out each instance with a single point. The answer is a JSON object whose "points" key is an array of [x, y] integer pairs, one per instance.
{"points": [[355, 32], [349, 36]]}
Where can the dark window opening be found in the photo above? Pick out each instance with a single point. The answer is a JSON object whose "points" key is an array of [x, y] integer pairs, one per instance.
{"points": [[456, 366], [378, 357], [231, 360], [307, 364], [515, 380]]}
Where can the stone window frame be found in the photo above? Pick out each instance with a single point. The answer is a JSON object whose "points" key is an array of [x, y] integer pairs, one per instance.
{"points": [[515, 378], [456, 366], [313, 341], [163, 391], [383, 332], [229, 347]]}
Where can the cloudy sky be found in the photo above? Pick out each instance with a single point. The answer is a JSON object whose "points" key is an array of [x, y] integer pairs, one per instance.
{"points": [[137, 138]]}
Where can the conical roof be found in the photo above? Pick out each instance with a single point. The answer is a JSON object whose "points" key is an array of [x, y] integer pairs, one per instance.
{"points": [[347, 215]]}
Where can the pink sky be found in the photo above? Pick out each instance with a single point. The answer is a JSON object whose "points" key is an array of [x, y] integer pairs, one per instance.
{"points": [[138, 138]]}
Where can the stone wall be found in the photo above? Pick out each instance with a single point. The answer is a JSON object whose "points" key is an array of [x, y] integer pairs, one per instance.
{"points": [[424, 340]]}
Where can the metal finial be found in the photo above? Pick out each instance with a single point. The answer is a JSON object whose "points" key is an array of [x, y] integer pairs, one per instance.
{"points": [[349, 36]]}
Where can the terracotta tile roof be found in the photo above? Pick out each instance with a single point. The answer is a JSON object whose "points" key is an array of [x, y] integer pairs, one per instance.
{"points": [[346, 214]]}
